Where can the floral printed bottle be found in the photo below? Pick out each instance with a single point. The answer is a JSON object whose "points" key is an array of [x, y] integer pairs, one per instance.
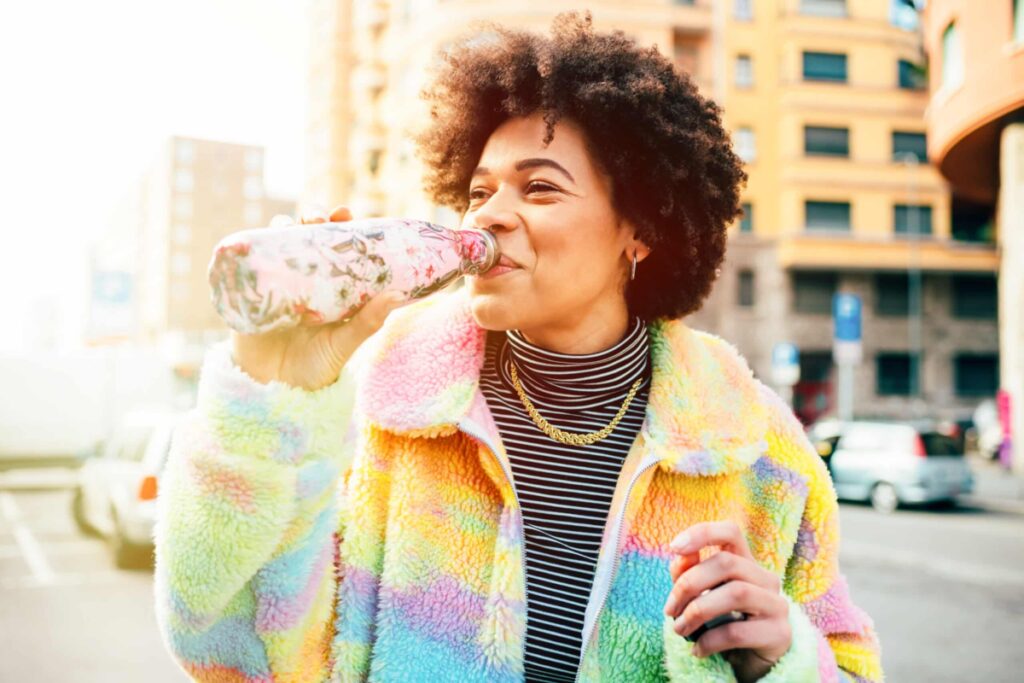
{"points": [[273, 278]]}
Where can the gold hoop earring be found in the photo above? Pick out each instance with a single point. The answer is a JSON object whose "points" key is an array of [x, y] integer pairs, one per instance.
{"points": [[632, 271]]}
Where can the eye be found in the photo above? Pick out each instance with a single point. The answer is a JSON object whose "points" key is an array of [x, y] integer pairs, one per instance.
{"points": [[540, 186], [477, 193]]}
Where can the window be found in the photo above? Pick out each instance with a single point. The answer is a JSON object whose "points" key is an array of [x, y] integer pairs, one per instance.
{"points": [[253, 188], [896, 374], [825, 66], [827, 215], [910, 75], [744, 72], [972, 221], [744, 10], [892, 295], [903, 14], [912, 219], [821, 141], [746, 288], [687, 58], [1018, 21], [746, 144], [905, 144], [823, 8], [976, 374], [184, 152], [183, 180], [952, 57], [747, 219], [254, 160], [975, 297], [813, 292]]}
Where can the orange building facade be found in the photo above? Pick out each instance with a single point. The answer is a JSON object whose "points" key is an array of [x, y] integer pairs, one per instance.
{"points": [[975, 121]]}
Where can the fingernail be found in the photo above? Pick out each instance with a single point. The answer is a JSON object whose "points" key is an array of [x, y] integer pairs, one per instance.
{"points": [[680, 542]]}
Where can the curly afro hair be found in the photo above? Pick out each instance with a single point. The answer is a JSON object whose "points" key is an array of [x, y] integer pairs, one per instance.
{"points": [[673, 172]]}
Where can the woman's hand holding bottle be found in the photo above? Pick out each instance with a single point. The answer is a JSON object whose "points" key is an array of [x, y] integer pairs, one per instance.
{"points": [[311, 356]]}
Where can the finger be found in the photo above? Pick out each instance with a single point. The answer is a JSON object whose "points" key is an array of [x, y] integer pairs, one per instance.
{"points": [[680, 563], [725, 534], [754, 634], [711, 573], [369, 319], [738, 596], [314, 213], [340, 214]]}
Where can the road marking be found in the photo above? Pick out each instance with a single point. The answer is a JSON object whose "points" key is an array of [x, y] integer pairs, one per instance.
{"points": [[954, 570], [42, 572], [97, 578]]}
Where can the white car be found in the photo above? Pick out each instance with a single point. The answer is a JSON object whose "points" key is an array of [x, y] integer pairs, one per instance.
{"points": [[892, 463], [116, 494]]}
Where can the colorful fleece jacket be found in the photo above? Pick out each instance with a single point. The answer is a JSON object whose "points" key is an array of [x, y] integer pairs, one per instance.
{"points": [[297, 544]]}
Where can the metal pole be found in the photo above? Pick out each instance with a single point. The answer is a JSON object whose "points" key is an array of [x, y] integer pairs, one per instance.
{"points": [[914, 283], [845, 391]]}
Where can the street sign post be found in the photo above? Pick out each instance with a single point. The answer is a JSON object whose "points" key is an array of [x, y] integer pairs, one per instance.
{"points": [[785, 369], [846, 347]]}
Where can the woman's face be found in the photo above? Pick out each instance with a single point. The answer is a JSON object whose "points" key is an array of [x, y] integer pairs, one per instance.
{"points": [[550, 209]]}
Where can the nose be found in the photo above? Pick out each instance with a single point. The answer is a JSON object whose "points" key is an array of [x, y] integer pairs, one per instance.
{"points": [[493, 217]]}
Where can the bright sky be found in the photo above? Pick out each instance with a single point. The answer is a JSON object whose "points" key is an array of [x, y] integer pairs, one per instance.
{"points": [[90, 89]]}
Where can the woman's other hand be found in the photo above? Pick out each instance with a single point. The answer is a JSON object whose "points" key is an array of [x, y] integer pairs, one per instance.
{"points": [[310, 357], [753, 646]]}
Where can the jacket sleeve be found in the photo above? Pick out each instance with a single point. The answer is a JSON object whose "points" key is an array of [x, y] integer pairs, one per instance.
{"points": [[827, 626], [248, 524]]}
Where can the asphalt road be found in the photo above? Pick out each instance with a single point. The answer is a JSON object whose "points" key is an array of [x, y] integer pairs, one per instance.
{"points": [[945, 588]]}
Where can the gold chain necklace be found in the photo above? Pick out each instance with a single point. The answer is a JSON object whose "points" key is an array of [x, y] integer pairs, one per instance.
{"points": [[568, 437]]}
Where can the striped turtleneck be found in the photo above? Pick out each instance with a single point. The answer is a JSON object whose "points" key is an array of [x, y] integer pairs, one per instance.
{"points": [[564, 491]]}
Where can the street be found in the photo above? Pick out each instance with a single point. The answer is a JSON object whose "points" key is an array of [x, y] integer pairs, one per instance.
{"points": [[945, 588]]}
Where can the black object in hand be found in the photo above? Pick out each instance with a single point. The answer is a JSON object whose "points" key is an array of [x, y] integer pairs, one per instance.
{"points": [[717, 621]]}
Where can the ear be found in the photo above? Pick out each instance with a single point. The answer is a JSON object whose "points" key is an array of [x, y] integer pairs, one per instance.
{"points": [[634, 245]]}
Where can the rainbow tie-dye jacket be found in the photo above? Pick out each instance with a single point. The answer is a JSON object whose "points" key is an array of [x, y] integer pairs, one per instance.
{"points": [[295, 544]]}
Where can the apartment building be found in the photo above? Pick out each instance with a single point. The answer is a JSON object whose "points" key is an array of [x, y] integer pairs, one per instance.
{"points": [[196, 192], [826, 102], [975, 127]]}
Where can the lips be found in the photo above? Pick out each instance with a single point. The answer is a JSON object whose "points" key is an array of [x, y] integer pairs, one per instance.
{"points": [[507, 262]]}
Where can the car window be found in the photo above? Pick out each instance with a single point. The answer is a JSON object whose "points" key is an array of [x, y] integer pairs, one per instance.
{"points": [[132, 444], [861, 438], [940, 444]]}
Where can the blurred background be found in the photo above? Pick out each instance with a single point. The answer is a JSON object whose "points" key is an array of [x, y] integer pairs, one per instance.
{"points": [[875, 278]]}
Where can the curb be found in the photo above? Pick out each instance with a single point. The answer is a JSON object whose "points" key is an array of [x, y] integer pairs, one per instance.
{"points": [[1013, 507]]}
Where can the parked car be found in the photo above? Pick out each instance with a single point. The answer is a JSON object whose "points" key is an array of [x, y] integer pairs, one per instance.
{"points": [[116, 494], [893, 463]]}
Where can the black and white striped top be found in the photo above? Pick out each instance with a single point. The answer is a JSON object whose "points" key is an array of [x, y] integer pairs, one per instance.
{"points": [[565, 491]]}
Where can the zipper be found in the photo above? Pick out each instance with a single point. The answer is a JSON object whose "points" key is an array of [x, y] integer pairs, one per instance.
{"points": [[615, 563]]}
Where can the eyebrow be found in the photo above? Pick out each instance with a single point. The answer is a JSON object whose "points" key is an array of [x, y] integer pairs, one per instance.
{"points": [[536, 162]]}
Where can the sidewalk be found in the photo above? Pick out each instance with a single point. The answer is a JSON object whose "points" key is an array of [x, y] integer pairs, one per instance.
{"points": [[995, 488]]}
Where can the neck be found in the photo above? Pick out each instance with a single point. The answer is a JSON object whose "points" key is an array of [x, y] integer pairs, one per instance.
{"points": [[588, 333]]}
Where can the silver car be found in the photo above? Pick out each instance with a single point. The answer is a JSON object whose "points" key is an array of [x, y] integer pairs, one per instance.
{"points": [[890, 463], [116, 494]]}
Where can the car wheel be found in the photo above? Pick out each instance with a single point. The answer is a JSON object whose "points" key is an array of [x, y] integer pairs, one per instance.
{"points": [[78, 513], [884, 498]]}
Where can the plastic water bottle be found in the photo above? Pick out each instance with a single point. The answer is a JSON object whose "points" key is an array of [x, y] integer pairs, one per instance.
{"points": [[268, 279]]}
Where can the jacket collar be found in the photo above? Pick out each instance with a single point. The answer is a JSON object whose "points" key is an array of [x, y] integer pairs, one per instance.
{"points": [[420, 376]]}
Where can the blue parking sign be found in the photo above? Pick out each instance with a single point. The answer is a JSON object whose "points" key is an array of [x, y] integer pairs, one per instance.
{"points": [[846, 314]]}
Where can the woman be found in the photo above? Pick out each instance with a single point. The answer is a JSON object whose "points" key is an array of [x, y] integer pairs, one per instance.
{"points": [[551, 431]]}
